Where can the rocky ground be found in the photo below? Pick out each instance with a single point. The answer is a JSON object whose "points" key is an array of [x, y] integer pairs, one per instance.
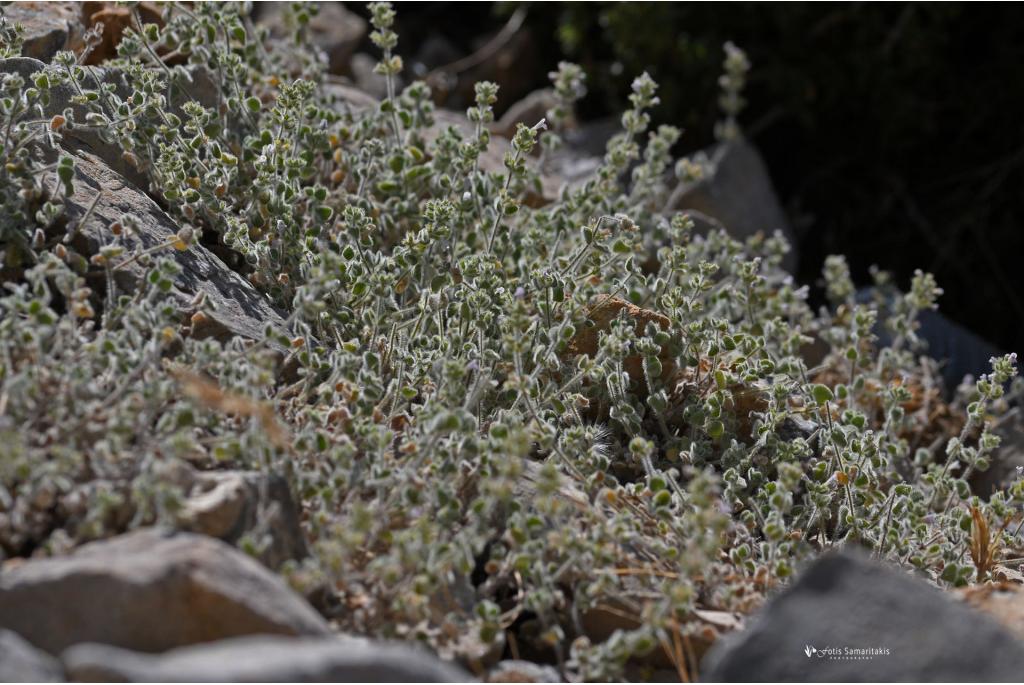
{"points": [[188, 605]]}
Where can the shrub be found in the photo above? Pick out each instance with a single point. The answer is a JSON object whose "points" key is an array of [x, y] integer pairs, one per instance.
{"points": [[509, 415]]}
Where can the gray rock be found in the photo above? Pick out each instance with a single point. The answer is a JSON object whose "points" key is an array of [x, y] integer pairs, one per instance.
{"points": [[590, 138], [335, 30], [738, 193], [527, 111], [519, 671], [492, 160], [191, 83], [20, 662], [961, 351], [362, 67], [347, 96], [1008, 458], [263, 659], [150, 590], [49, 26], [229, 504], [233, 305], [843, 602]]}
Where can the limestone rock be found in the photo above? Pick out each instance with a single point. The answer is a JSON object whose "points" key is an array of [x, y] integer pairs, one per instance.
{"points": [[116, 19], [1003, 602], [603, 310], [196, 84], [49, 26], [150, 590], [519, 671], [233, 305], [335, 30], [21, 662], [348, 95], [904, 629], [1008, 458], [362, 67], [491, 160], [527, 111], [263, 659], [229, 504], [738, 193]]}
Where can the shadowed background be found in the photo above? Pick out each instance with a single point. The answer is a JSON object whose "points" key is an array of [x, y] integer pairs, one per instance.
{"points": [[894, 133]]}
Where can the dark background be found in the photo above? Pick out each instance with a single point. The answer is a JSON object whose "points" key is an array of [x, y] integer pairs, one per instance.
{"points": [[894, 133]]}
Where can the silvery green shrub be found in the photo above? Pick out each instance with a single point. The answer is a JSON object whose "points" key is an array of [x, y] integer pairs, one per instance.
{"points": [[466, 470]]}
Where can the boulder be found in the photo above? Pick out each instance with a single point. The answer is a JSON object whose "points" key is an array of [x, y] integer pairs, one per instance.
{"points": [[233, 306], [150, 590], [49, 26], [851, 619], [519, 671], [492, 159], [347, 95], [116, 19], [960, 351], [527, 111], [603, 310], [229, 504], [21, 662], [1007, 460], [367, 79], [738, 192], [264, 659], [334, 29], [1003, 601], [197, 83]]}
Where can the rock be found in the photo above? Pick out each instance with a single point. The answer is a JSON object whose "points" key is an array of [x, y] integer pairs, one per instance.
{"points": [[492, 160], [116, 19], [233, 306], [910, 631], [347, 95], [518, 671], [334, 29], [1008, 458], [263, 659], [21, 662], [739, 194], [590, 138], [571, 168], [362, 68], [229, 504], [1003, 602], [49, 26], [527, 111], [961, 351], [198, 86], [603, 310], [599, 623], [150, 590]]}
